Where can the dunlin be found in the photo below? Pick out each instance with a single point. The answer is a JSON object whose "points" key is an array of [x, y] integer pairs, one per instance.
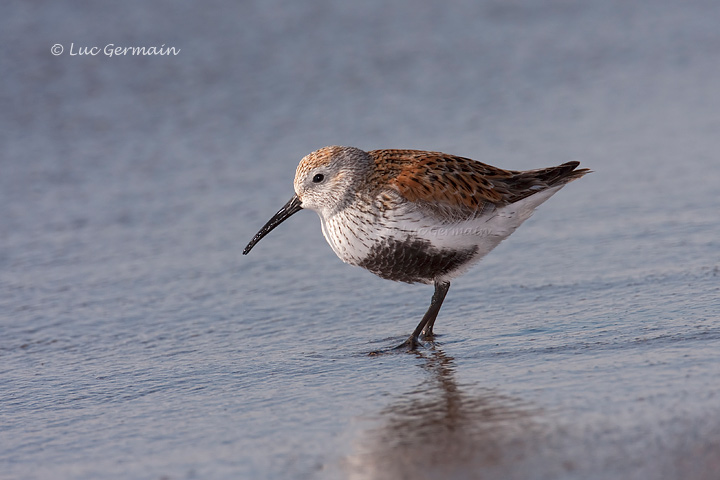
{"points": [[415, 216]]}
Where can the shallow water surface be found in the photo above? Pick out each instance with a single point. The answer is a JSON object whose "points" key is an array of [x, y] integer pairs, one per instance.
{"points": [[136, 341]]}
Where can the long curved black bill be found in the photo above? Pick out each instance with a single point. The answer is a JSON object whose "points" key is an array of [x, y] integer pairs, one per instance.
{"points": [[291, 207]]}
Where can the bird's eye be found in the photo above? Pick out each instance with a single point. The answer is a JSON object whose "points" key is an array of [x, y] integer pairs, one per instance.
{"points": [[319, 177]]}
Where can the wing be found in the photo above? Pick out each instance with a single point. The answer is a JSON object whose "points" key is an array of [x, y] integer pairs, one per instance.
{"points": [[461, 183], [444, 181]]}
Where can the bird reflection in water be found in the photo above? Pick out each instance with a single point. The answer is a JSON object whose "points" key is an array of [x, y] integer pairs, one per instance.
{"points": [[439, 431]]}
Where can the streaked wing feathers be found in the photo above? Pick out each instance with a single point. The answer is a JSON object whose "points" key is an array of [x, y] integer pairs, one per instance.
{"points": [[461, 183]]}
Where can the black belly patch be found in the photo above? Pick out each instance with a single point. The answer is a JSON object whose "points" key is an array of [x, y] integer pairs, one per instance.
{"points": [[413, 260]]}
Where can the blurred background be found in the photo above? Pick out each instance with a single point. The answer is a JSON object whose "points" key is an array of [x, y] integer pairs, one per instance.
{"points": [[137, 342]]}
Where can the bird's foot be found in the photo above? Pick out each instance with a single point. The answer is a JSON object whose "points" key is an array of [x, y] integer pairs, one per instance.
{"points": [[428, 335], [410, 345]]}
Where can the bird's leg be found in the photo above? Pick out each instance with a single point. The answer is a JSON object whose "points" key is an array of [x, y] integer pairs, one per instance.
{"points": [[441, 290], [428, 320]]}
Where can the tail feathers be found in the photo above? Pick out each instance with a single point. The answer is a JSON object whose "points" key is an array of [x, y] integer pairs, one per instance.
{"points": [[561, 174], [529, 182]]}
